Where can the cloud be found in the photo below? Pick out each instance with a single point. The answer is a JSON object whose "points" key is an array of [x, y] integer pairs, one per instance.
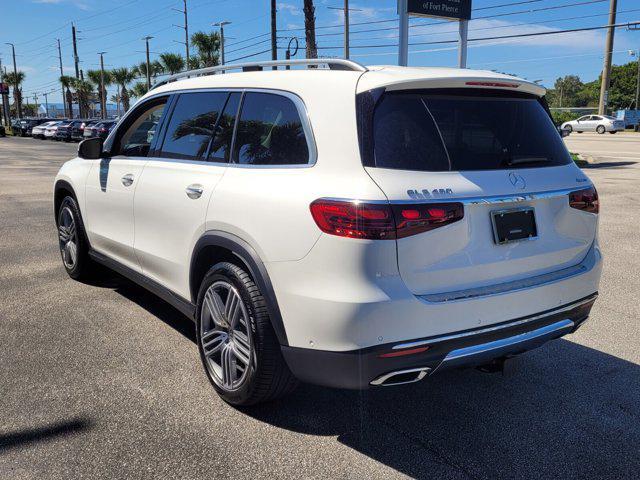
{"points": [[77, 3], [289, 8]]}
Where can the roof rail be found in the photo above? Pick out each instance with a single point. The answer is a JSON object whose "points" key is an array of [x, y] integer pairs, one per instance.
{"points": [[332, 63]]}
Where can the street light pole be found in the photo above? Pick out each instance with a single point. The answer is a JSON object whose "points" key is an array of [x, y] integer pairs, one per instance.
{"points": [[15, 86], [103, 100], [221, 25], [64, 104], [46, 104]]}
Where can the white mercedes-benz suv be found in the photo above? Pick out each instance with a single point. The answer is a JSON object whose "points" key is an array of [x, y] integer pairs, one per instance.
{"points": [[342, 225]]}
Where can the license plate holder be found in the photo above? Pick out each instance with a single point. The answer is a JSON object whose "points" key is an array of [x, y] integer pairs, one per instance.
{"points": [[514, 225]]}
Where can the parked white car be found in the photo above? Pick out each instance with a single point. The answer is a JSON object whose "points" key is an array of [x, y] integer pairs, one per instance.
{"points": [[39, 130], [50, 131], [345, 226], [595, 123]]}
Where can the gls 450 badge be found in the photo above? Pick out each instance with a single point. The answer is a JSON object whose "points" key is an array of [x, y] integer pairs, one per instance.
{"points": [[422, 194]]}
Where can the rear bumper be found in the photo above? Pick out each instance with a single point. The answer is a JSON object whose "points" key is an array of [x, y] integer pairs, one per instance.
{"points": [[358, 369]]}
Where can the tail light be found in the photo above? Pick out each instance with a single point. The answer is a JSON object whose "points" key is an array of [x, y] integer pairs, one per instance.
{"points": [[585, 200], [103, 130], [382, 221]]}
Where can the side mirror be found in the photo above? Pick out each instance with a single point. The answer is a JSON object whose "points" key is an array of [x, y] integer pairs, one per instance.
{"points": [[565, 132], [90, 149]]}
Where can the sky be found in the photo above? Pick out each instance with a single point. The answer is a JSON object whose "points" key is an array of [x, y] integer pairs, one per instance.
{"points": [[117, 27]]}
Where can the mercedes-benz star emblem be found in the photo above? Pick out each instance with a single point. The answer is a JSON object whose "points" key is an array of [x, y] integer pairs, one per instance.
{"points": [[517, 181]]}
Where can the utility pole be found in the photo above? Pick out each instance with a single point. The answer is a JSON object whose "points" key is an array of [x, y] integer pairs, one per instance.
{"points": [[185, 27], [146, 39], [274, 38], [637, 55], [403, 49], [608, 51], [75, 50], [16, 85], [3, 118], [64, 104], [346, 11], [103, 100], [35, 99], [221, 25]]}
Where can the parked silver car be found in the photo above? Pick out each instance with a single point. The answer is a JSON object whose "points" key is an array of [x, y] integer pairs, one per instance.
{"points": [[594, 123]]}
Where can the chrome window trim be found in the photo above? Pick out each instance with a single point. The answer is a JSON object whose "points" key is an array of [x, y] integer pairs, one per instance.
{"points": [[494, 328], [301, 107]]}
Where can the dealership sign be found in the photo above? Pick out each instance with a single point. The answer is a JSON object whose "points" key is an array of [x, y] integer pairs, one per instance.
{"points": [[453, 9]]}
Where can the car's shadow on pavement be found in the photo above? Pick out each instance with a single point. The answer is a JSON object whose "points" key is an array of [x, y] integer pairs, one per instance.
{"points": [[566, 411]]}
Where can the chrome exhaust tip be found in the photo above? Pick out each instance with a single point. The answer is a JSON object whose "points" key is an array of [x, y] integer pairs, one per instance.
{"points": [[401, 377]]}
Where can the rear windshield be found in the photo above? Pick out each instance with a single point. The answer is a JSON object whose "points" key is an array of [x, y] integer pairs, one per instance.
{"points": [[424, 131]]}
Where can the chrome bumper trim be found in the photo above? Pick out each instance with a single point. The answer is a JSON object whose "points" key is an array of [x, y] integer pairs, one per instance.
{"points": [[494, 328], [419, 372], [485, 352]]}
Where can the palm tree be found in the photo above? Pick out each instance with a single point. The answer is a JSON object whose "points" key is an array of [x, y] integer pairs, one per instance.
{"points": [[67, 83], [310, 28], [95, 77], [208, 46], [84, 90], [16, 79], [123, 76], [139, 89], [171, 63], [116, 99]]}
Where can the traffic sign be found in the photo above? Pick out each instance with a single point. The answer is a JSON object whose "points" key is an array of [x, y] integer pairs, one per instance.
{"points": [[453, 9]]}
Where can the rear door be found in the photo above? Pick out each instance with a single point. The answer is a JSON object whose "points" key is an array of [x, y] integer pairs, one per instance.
{"points": [[178, 181], [498, 156]]}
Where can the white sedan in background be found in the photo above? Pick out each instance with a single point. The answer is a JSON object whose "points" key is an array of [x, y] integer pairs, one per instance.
{"points": [[595, 123], [50, 131]]}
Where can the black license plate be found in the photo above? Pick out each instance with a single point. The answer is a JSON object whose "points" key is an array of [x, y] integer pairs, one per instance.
{"points": [[513, 225]]}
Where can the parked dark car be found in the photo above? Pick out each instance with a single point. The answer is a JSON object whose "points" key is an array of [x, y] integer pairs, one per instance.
{"points": [[100, 129], [24, 127], [65, 130], [77, 131]]}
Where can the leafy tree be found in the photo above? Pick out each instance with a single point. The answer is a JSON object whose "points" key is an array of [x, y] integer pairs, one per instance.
{"points": [[171, 63], [15, 80], [310, 28], [208, 47]]}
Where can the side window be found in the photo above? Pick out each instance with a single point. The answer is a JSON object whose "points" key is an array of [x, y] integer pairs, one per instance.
{"points": [[191, 126], [221, 146], [270, 132], [139, 131]]}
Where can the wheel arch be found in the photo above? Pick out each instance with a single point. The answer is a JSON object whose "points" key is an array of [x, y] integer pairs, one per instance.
{"points": [[215, 246], [62, 189]]}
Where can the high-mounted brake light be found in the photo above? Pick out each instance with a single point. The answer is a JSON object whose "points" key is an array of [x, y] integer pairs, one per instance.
{"points": [[493, 84], [585, 200], [375, 221]]}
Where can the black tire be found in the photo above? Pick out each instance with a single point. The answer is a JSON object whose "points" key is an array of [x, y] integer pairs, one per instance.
{"points": [[601, 129], [268, 376], [569, 128], [83, 268], [579, 132], [613, 132]]}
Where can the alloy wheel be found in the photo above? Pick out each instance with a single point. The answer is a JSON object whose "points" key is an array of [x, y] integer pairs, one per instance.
{"points": [[68, 238], [225, 336]]}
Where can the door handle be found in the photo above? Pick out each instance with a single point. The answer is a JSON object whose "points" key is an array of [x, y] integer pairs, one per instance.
{"points": [[194, 191], [127, 180]]}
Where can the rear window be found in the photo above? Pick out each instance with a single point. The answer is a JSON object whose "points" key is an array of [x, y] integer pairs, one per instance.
{"points": [[427, 131]]}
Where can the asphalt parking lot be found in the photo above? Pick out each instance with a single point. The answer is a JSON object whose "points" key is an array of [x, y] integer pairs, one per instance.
{"points": [[104, 380]]}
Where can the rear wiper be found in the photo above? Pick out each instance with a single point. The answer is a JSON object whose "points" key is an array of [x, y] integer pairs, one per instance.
{"points": [[521, 160]]}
